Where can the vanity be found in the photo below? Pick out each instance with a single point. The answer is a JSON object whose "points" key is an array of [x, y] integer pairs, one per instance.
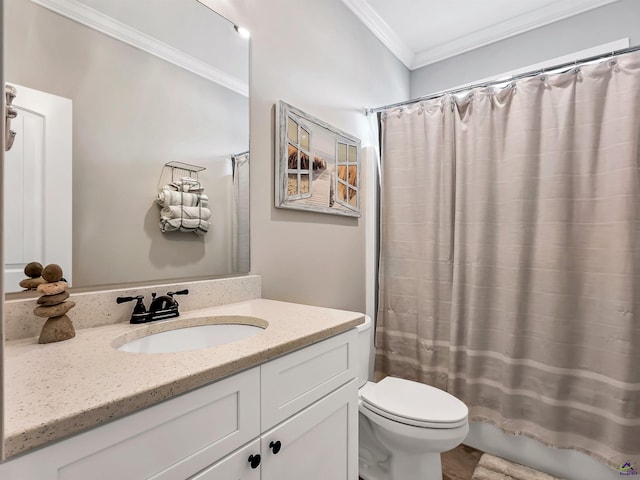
{"points": [[280, 404]]}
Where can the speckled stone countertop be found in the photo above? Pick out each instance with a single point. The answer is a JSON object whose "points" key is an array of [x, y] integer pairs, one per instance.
{"points": [[56, 390]]}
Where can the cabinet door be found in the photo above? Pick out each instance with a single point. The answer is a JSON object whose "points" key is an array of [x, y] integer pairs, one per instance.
{"points": [[172, 440], [296, 380], [319, 443], [236, 466]]}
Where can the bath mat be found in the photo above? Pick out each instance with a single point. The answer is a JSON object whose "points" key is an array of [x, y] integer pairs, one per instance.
{"points": [[495, 468]]}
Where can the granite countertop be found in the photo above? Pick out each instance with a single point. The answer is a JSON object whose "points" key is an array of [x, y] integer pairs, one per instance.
{"points": [[59, 389]]}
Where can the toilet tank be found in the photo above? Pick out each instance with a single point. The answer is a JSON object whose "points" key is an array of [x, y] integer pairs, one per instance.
{"points": [[365, 350]]}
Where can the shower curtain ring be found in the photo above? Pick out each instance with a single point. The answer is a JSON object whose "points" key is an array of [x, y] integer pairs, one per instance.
{"points": [[544, 81]]}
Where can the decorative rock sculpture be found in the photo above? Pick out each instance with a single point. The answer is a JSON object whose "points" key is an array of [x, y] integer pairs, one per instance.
{"points": [[52, 273], [33, 270], [54, 310], [57, 329], [32, 283], [49, 300], [54, 306], [53, 288]]}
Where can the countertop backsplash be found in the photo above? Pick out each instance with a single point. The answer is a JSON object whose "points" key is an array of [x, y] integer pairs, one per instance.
{"points": [[98, 308]]}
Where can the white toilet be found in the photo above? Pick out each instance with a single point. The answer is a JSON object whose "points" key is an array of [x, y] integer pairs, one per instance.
{"points": [[404, 425]]}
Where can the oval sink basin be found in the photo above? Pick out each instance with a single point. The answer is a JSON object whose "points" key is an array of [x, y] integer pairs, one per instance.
{"points": [[190, 338]]}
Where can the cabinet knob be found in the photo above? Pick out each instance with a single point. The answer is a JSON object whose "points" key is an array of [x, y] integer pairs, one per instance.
{"points": [[254, 460], [275, 447]]}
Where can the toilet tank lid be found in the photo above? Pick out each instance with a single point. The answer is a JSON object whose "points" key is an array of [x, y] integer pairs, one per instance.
{"points": [[414, 401]]}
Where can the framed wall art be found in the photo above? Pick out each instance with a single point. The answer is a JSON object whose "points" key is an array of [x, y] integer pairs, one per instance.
{"points": [[317, 165]]}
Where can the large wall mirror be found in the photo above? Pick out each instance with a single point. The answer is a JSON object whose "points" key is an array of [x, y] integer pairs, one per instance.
{"points": [[118, 101]]}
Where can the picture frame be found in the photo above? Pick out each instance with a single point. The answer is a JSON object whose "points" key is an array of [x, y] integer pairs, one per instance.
{"points": [[317, 166]]}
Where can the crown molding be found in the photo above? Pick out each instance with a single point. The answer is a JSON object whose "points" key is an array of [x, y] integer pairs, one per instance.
{"points": [[515, 26], [98, 21], [370, 18], [500, 31]]}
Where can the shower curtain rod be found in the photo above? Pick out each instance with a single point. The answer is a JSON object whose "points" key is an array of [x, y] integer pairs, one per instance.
{"points": [[533, 73], [236, 155]]}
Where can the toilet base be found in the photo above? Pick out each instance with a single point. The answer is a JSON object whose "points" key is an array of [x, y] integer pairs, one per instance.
{"points": [[373, 459], [376, 462], [365, 473], [416, 467], [403, 467]]}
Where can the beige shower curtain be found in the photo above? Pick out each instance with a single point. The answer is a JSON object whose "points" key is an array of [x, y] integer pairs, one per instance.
{"points": [[510, 255]]}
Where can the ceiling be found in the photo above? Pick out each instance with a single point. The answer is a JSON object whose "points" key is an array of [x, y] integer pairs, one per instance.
{"points": [[421, 32]]}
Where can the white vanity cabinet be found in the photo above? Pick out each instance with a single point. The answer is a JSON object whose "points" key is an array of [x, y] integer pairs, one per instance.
{"points": [[316, 444], [297, 412]]}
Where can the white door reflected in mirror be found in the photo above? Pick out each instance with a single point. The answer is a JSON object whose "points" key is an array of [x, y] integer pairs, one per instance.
{"points": [[37, 185]]}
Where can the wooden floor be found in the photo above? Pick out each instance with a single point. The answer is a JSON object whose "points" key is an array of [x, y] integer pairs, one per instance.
{"points": [[459, 463]]}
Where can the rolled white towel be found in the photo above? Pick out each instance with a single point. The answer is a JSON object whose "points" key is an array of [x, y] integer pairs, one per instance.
{"points": [[188, 184], [199, 227], [168, 197], [201, 231], [178, 211], [180, 186]]}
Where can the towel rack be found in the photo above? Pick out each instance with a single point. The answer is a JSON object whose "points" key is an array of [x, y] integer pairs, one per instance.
{"points": [[191, 170], [185, 192], [237, 160]]}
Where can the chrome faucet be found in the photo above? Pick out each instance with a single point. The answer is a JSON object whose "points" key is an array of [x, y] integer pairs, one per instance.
{"points": [[162, 307]]}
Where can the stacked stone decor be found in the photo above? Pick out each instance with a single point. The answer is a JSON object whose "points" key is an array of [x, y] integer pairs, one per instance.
{"points": [[53, 304], [33, 270]]}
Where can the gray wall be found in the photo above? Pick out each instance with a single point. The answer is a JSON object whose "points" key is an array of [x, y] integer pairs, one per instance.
{"points": [[314, 55], [317, 56], [596, 27], [132, 113]]}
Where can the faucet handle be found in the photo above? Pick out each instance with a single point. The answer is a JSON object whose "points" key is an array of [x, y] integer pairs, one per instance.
{"points": [[139, 310], [128, 299], [179, 292]]}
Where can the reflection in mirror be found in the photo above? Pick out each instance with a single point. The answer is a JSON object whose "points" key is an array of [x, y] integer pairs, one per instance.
{"points": [[105, 100]]}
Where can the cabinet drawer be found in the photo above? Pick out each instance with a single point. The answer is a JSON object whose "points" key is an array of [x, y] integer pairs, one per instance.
{"points": [[234, 467], [176, 438], [296, 380]]}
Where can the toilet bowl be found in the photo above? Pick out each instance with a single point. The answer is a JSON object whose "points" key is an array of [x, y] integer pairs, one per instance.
{"points": [[404, 425]]}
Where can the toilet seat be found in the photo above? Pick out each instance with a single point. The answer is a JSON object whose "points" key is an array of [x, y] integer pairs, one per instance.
{"points": [[413, 403]]}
